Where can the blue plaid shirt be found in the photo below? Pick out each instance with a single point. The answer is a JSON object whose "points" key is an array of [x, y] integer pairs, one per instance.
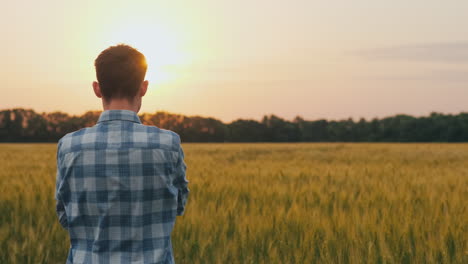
{"points": [[120, 185]]}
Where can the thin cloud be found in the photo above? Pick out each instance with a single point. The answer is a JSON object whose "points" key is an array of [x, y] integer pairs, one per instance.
{"points": [[439, 76], [449, 52]]}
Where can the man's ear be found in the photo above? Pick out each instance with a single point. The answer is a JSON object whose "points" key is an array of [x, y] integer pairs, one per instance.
{"points": [[144, 88], [97, 89]]}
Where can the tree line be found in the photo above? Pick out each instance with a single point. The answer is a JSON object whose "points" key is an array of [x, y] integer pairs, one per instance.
{"points": [[25, 125]]}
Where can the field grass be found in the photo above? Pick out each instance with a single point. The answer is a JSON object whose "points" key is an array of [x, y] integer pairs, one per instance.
{"points": [[274, 203]]}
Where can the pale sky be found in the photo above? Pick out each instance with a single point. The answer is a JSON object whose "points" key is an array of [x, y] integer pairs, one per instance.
{"points": [[244, 59]]}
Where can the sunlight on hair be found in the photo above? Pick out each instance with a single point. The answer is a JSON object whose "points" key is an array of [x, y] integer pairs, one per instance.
{"points": [[160, 46]]}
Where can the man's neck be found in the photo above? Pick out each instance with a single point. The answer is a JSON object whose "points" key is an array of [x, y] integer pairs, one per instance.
{"points": [[120, 104]]}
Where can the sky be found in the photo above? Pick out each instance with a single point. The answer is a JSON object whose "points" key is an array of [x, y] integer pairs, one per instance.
{"points": [[244, 59]]}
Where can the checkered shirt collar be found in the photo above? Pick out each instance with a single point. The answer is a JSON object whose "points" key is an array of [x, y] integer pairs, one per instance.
{"points": [[125, 115]]}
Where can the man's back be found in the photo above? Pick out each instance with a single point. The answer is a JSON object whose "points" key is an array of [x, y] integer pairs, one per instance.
{"points": [[120, 185]]}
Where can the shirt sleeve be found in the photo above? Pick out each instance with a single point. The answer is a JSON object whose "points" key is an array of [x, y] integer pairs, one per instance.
{"points": [[59, 205], [181, 183]]}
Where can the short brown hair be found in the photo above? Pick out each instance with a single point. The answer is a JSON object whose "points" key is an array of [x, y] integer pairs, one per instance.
{"points": [[120, 70]]}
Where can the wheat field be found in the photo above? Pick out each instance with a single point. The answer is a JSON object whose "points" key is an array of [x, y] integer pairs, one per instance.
{"points": [[274, 203]]}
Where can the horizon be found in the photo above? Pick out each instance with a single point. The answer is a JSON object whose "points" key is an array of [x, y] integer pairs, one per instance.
{"points": [[244, 60], [355, 119]]}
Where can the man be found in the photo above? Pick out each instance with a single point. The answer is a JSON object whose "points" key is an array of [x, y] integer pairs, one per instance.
{"points": [[120, 184]]}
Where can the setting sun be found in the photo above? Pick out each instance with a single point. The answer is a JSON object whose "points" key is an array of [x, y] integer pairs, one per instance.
{"points": [[159, 43]]}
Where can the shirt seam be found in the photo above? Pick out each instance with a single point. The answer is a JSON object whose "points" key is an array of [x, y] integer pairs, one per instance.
{"points": [[105, 148]]}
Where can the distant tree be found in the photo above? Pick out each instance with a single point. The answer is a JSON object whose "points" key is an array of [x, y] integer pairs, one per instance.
{"points": [[242, 130], [363, 130], [89, 118], [313, 131], [22, 125], [280, 130], [55, 125], [199, 129], [25, 125], [341, 130]]}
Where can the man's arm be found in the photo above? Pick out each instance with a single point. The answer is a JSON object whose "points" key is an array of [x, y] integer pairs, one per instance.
{"points": [[181, 183], [59, 206], [62, 216]]}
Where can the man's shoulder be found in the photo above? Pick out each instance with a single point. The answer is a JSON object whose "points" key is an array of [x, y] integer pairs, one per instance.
{"points": [[140, 136], [164, 138], [68, 140]]}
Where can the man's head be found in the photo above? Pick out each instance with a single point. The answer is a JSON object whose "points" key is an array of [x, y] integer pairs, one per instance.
{"points": [[120, 72]]}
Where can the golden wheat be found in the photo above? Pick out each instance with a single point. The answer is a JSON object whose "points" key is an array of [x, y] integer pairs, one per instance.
{"points": [[274, 203]]}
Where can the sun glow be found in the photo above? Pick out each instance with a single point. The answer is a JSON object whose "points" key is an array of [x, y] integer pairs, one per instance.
{"points": [[160, 45]]}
